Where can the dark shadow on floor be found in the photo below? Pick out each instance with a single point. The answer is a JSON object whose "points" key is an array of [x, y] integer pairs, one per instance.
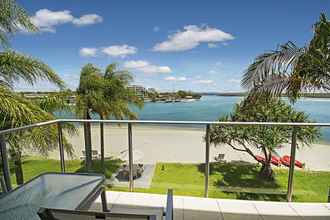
{"points": [[238, 174], [242, 179]]}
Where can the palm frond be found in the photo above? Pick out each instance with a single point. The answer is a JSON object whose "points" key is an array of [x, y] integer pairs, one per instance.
{"points": [[291, 69], [15, 66], [15, 111], [13, 18], [111, 72], [106, 94], [55, 102], [272, 65]]}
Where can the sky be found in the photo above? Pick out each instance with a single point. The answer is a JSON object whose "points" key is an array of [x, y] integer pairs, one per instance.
{"points": [[202, 46]]}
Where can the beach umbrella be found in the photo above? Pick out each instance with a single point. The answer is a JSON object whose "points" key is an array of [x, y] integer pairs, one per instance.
{"points": [[137, 155]]}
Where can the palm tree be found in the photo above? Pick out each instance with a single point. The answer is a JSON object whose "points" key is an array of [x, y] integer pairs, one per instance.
{"points": [[291, 69], [107, 95], [15, 110], [43, 139]]}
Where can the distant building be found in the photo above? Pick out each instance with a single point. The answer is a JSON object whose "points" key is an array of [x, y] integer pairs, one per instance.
{"points": [[138, 90]]}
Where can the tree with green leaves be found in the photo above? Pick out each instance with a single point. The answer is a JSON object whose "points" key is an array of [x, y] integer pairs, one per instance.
{"points": [[15, 110], [41, 139], [106, 95], [262, 139], [291, 69]]}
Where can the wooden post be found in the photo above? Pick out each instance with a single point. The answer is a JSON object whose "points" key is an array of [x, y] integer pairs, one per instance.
{"points": [[292, 161], [207, 160]]}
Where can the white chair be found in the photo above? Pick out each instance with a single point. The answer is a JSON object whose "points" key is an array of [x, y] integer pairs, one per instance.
{"points": [[95, 155]]}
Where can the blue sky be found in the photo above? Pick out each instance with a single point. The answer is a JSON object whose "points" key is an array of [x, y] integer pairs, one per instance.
{"points": [[168, 45]]}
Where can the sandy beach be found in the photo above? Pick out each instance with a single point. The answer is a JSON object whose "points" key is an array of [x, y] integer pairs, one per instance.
{"points": [[181, 144]]}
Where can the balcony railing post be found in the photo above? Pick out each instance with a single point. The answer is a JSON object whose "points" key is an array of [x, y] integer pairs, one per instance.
{"points": [[102, 145], [207, 160], [88, 145], [169, 205], [130, 157], [60, 145], [5, 164], [292, 163]]}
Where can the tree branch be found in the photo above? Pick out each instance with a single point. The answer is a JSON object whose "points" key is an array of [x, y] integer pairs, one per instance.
{"points": [[235, 148]]}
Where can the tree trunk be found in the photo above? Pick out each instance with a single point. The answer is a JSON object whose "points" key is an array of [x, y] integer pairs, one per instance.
{"points": [[266, 170], [16, 156], [102, 143], [88, 143]]}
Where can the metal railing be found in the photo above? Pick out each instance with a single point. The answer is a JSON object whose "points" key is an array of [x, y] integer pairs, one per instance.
{"points": [[169, 205], [130, 123]]}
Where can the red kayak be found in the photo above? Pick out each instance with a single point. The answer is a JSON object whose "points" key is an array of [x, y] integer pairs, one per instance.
{"points": [[260, 158], [286, 161], [275, 161]]}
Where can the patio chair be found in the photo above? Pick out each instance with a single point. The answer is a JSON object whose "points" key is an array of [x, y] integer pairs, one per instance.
{"points": [[61, 214], [64, 214], [219, 157], [95, 155], [123, 173]]}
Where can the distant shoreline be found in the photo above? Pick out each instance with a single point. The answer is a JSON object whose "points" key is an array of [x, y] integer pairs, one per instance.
{"points": [[34, 94], [241, 94]]}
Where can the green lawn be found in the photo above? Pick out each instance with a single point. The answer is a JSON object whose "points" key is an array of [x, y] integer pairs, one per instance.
{"points": [[237, 182], [33, 166], [227, 180]]}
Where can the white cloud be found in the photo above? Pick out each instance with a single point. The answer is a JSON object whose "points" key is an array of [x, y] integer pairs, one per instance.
{"points": [[46, 20], [219, 63], [205, 81], [119, 50], [212, 72], [172, 78], [182, 78], [212, 45], [135, 64], [146, 67], [234, 81], [88, 52], [156, 29], [87, 20], [190, 37]]}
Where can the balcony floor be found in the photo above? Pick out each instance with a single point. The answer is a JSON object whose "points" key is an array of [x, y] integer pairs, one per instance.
{"points": [[186, 207]]}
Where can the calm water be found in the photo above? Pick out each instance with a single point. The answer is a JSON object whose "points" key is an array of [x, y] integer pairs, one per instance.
{"points": [[210, 108]]}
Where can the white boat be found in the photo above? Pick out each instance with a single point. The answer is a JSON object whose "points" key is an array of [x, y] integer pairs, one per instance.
{"points": [[188, 100]]}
